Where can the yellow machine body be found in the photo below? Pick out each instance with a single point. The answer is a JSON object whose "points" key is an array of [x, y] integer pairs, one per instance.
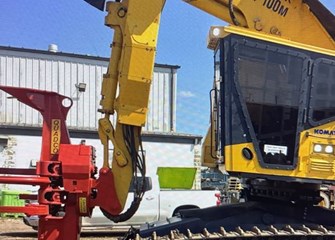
{"points": [[312, 165]]}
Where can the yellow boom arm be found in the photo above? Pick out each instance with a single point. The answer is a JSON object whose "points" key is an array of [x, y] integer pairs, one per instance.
{"points": [[126, 86]]}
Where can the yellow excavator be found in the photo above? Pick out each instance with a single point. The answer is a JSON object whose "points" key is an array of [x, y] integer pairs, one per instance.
{"points": [[272, 120]]}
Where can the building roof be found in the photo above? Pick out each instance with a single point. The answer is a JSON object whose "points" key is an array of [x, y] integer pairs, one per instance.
{"points": [[75, 55]]}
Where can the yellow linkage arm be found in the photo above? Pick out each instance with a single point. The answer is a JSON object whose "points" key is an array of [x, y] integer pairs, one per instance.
{"points": [[126, 86], [292, 19]]}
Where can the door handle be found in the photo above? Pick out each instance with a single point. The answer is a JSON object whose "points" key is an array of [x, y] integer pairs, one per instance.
{"points": [[150, 198]]}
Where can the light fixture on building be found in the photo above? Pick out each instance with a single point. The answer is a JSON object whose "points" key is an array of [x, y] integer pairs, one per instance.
{"points": [[81, 87]]}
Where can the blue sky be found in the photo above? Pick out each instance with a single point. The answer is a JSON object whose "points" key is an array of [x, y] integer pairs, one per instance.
{"points": [[78, 28]]}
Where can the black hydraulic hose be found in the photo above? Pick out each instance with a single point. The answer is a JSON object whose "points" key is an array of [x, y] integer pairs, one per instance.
{"points": [[123, 216], [231, 13], [138, 164]]}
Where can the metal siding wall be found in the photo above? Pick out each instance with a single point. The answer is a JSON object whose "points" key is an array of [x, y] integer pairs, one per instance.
{"points": [[161, 101], [61, 73]]}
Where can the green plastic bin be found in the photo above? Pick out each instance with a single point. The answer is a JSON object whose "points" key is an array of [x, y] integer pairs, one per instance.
{"points": [[176, 177], [11, 198]]}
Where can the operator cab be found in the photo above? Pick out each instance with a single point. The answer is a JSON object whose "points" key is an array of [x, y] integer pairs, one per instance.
{"points": [[269, 94]]}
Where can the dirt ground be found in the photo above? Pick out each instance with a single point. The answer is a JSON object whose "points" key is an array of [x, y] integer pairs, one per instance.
{"points": [[11, 229]]}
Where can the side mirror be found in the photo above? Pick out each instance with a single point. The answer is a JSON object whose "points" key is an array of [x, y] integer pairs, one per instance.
{"points": [[99, 4]]}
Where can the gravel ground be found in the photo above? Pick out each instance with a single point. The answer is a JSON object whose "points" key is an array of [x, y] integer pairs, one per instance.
{"points": [[11, 229]]}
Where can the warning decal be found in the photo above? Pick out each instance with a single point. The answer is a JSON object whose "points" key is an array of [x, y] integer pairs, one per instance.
{"points": [[82, 205]]}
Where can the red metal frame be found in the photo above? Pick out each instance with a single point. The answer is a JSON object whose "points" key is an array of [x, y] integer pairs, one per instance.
{"points": [[66, 173]]}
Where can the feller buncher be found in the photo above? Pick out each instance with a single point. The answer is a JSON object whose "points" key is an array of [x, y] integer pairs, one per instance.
{"points": [[272, 124], [272, 120]]}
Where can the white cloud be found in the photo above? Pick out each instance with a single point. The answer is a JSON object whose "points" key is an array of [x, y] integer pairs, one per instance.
{"points": [[186, 94]]}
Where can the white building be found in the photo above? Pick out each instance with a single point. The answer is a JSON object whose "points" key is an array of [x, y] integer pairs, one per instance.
{"points": [[20, 125], [62, 73]]}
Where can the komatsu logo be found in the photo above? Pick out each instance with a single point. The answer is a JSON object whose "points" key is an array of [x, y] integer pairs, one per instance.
{"points": [[324, 132]]}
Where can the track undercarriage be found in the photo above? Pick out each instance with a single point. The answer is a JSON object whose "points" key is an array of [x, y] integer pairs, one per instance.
{"points": [[268, 214], [249, 220]]}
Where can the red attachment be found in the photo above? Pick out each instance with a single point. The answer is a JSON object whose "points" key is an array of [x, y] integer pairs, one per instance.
{"points": [[77, 166], [78, 169], [18, 171], [65, 172], [51, 106], [103, 199], [25, 196], [30, 209], [29, 180]]}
